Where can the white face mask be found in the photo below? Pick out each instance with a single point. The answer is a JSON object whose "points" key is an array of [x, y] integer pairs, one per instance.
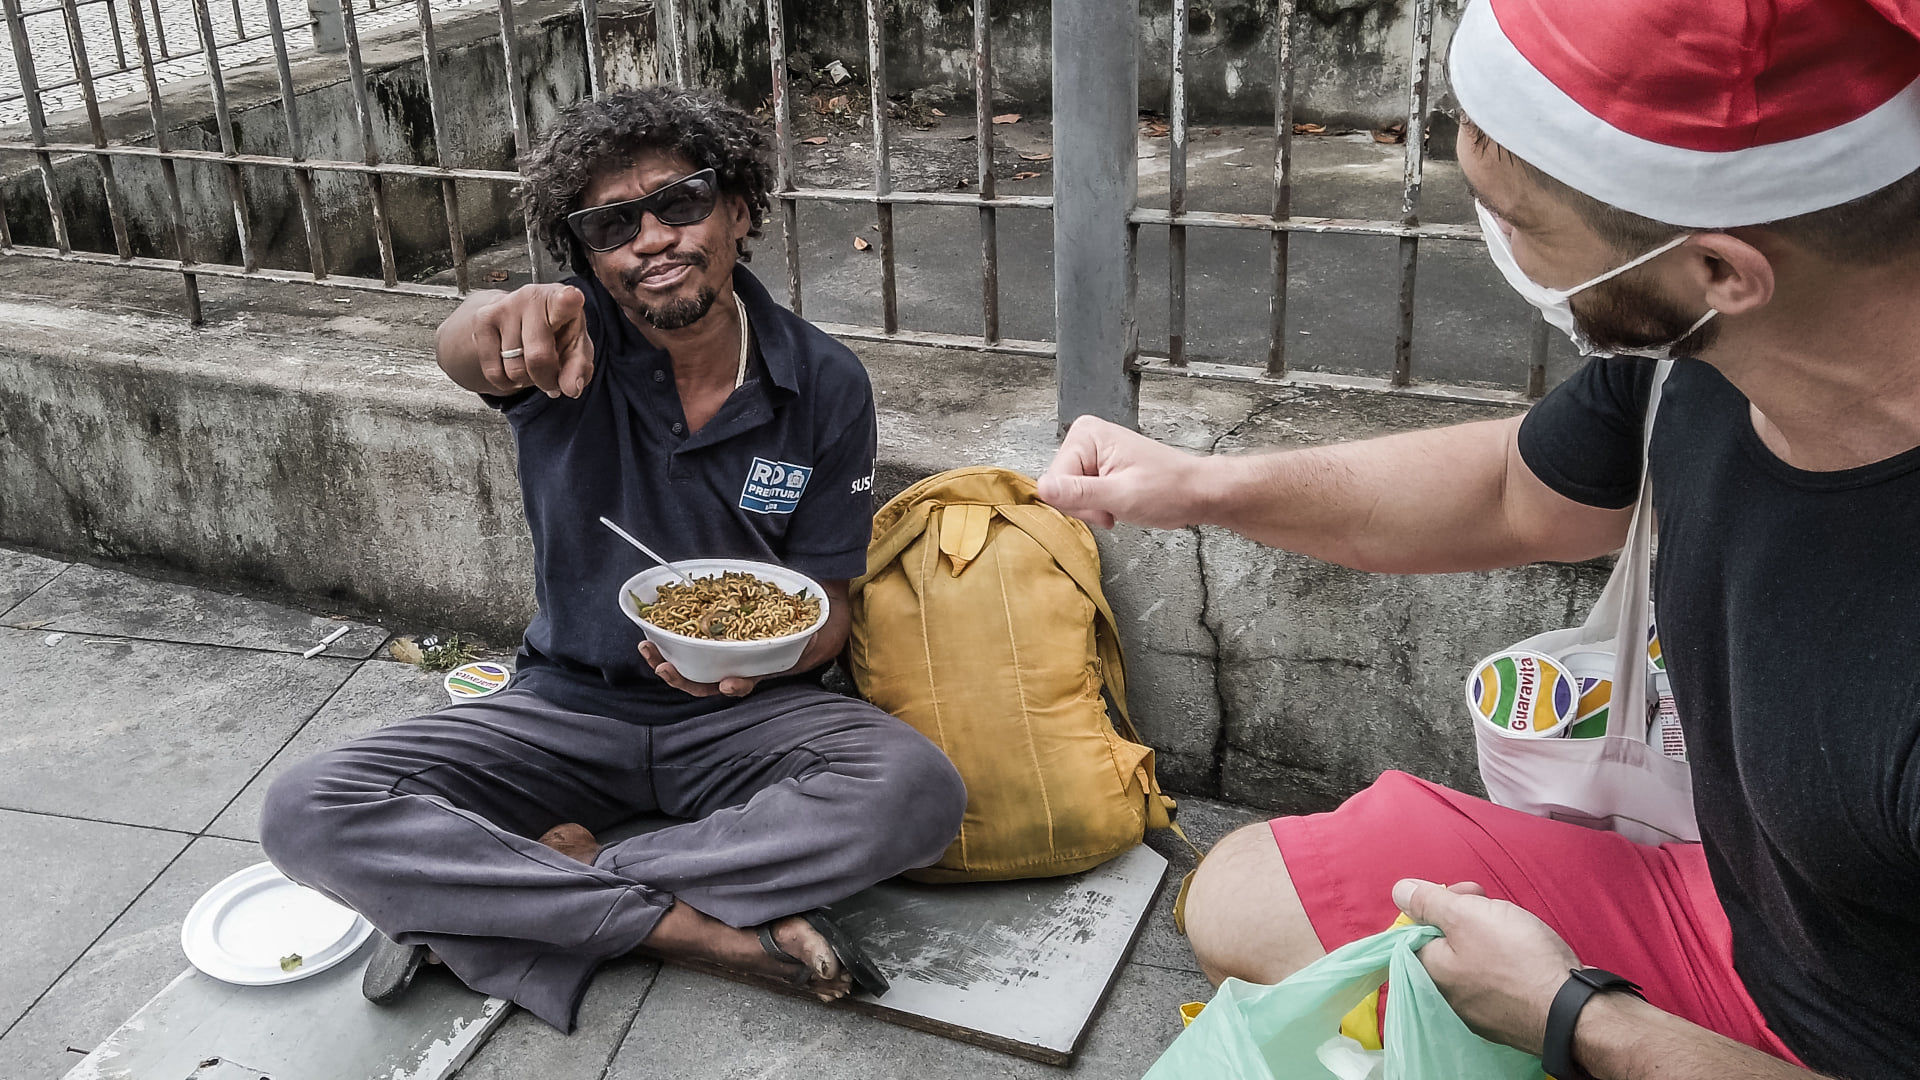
{"points": [[1557, 304]]}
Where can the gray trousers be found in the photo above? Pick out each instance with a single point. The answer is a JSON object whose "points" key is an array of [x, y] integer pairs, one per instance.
{"points": [[796, 798]]}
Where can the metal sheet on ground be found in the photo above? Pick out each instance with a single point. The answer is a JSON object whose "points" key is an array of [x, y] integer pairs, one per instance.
{"points": [[200, 1028], [1017, 966], [1020, 966]]}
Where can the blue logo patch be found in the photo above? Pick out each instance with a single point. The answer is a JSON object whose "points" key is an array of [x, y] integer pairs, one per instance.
{"points": [[774, 487]]}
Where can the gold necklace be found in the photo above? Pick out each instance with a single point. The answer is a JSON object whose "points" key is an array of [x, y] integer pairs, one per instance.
{"points": [[740, 376]]}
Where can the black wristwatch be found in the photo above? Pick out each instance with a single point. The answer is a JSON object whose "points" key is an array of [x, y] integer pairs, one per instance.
{"points": [[1556, 1052]]}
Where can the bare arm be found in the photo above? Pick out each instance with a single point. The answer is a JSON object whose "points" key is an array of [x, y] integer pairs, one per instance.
{"points": [[1500, 966], [501, 343], [1620, 1037], [1444, 499]]}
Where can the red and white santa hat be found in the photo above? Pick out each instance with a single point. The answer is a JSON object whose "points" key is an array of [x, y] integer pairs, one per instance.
{"points": [[1700, 113]]}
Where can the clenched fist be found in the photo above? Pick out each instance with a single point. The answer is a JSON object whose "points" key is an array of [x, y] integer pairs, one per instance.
{"points": [[1106, 473]]}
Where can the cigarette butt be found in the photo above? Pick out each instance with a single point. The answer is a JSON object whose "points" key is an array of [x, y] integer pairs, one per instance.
{"points": [[324, 642]]}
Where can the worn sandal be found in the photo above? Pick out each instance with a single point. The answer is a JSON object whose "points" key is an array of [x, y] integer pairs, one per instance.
{"points": [[390, 970], [866, 974]]}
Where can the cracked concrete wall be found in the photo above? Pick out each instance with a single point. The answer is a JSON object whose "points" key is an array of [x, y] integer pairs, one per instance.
{"points": [[294, 449]]}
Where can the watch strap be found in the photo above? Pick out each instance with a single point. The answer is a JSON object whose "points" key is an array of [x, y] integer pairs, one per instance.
{"points": [[1556, 1052]]}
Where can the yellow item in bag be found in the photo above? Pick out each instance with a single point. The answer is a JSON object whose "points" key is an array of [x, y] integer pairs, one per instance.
{"points": [[980, 622]]}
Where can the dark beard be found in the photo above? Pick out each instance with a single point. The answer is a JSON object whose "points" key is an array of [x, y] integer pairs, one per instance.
{"points": [[1626, 313], [677, 314], [680, 313]]}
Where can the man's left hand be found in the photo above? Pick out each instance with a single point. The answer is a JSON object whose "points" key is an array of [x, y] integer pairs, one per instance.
{"points": [[734, 687], [1498, 965]]}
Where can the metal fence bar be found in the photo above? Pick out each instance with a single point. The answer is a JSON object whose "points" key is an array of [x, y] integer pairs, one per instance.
{"points": [[296, 145], [882, 164], [679, 56], [1410, 188], [119, 44], [36, 120], [931, 339], [363, 119], [1209, 219], [223, 123], [1246, 373], [1537, 336], [123, 68], [424, 172], [449, 194], [169, 180], [784, 193], [983, 149], [596, 61], [1096, 113], [1177, 193], [517, 111], [109, 186], [1282, 184], [227, 270], [159, 30]]}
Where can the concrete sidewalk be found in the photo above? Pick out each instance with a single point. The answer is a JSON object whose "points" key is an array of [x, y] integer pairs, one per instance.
{"points": [[141, 724]]}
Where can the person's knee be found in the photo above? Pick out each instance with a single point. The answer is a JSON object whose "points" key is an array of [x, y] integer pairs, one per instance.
{"points": [[1243, 918], [926, 801], [292, 818]]}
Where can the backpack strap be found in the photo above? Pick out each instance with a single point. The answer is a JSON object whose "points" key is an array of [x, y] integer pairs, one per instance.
{"points": [[1051, 531]]}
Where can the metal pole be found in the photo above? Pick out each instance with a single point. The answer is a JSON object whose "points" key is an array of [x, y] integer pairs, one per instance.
{"points": [[1095, 109]]}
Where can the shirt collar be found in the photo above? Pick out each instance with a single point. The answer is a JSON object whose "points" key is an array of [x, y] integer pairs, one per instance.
{"points": [[779, 346]]}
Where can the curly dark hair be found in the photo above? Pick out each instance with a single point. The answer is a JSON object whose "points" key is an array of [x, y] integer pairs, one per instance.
{"points": [[610, 133]]}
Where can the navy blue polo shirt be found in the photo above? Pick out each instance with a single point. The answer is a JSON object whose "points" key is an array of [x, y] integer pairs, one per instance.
{"points": [[783, 473]]}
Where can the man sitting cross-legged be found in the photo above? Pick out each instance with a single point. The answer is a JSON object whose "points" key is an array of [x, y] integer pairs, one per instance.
{"points": [[660, 387]]}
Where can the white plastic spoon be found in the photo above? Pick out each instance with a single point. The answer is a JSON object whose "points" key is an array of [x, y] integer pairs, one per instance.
{"points": [[647, 551]]}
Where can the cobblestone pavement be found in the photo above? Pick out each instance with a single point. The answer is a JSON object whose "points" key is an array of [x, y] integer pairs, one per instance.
{"points": [[240, 36]]}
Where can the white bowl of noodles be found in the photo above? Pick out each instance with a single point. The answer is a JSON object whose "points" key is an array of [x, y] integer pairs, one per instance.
{"points": [[720, 610]]}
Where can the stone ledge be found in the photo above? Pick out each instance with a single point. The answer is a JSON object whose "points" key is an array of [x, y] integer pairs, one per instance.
{"points": [[308, 447]]}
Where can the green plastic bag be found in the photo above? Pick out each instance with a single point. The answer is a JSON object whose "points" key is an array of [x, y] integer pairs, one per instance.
{"points": [[1250, 1032]]}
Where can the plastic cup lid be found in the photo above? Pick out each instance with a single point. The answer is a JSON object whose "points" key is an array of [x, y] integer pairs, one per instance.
{"points": [[477, 680], [1523, 694]]}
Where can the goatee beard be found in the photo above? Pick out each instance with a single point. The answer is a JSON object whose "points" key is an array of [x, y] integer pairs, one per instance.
{"points": [[679, 314], [1627, 313]]}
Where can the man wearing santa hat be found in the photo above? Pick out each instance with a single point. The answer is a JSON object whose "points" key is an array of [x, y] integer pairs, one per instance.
{"points": [[1736, 183]]}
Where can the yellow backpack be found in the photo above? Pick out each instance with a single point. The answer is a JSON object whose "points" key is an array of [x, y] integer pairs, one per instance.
{"points": [[980, 621]]}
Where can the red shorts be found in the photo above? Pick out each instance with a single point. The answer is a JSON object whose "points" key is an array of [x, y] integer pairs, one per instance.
{"points": [[1648, 913]]}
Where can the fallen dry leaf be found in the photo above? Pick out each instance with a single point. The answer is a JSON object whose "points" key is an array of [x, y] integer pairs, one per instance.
{"points": [[496, 275], [1389, 137], [817, 140], [938, 112], [838, 104], [1007, 118], [406, 651], [1309, 129], [1158, 130], [1025, 175], [860, 243], [1036, 157]]}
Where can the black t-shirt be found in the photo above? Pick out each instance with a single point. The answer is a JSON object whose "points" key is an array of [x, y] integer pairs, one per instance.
{"points": [[1789, 611], [783, 473]]}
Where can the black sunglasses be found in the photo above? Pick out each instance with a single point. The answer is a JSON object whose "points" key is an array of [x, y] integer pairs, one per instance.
{"points": [[686, 201]]}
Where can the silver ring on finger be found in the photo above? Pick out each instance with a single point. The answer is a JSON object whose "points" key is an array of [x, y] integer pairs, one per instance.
{"points": [[512, 354]]}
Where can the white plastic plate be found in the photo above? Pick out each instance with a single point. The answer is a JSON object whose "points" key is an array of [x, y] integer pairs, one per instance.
{"points": [[242, 929]]}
